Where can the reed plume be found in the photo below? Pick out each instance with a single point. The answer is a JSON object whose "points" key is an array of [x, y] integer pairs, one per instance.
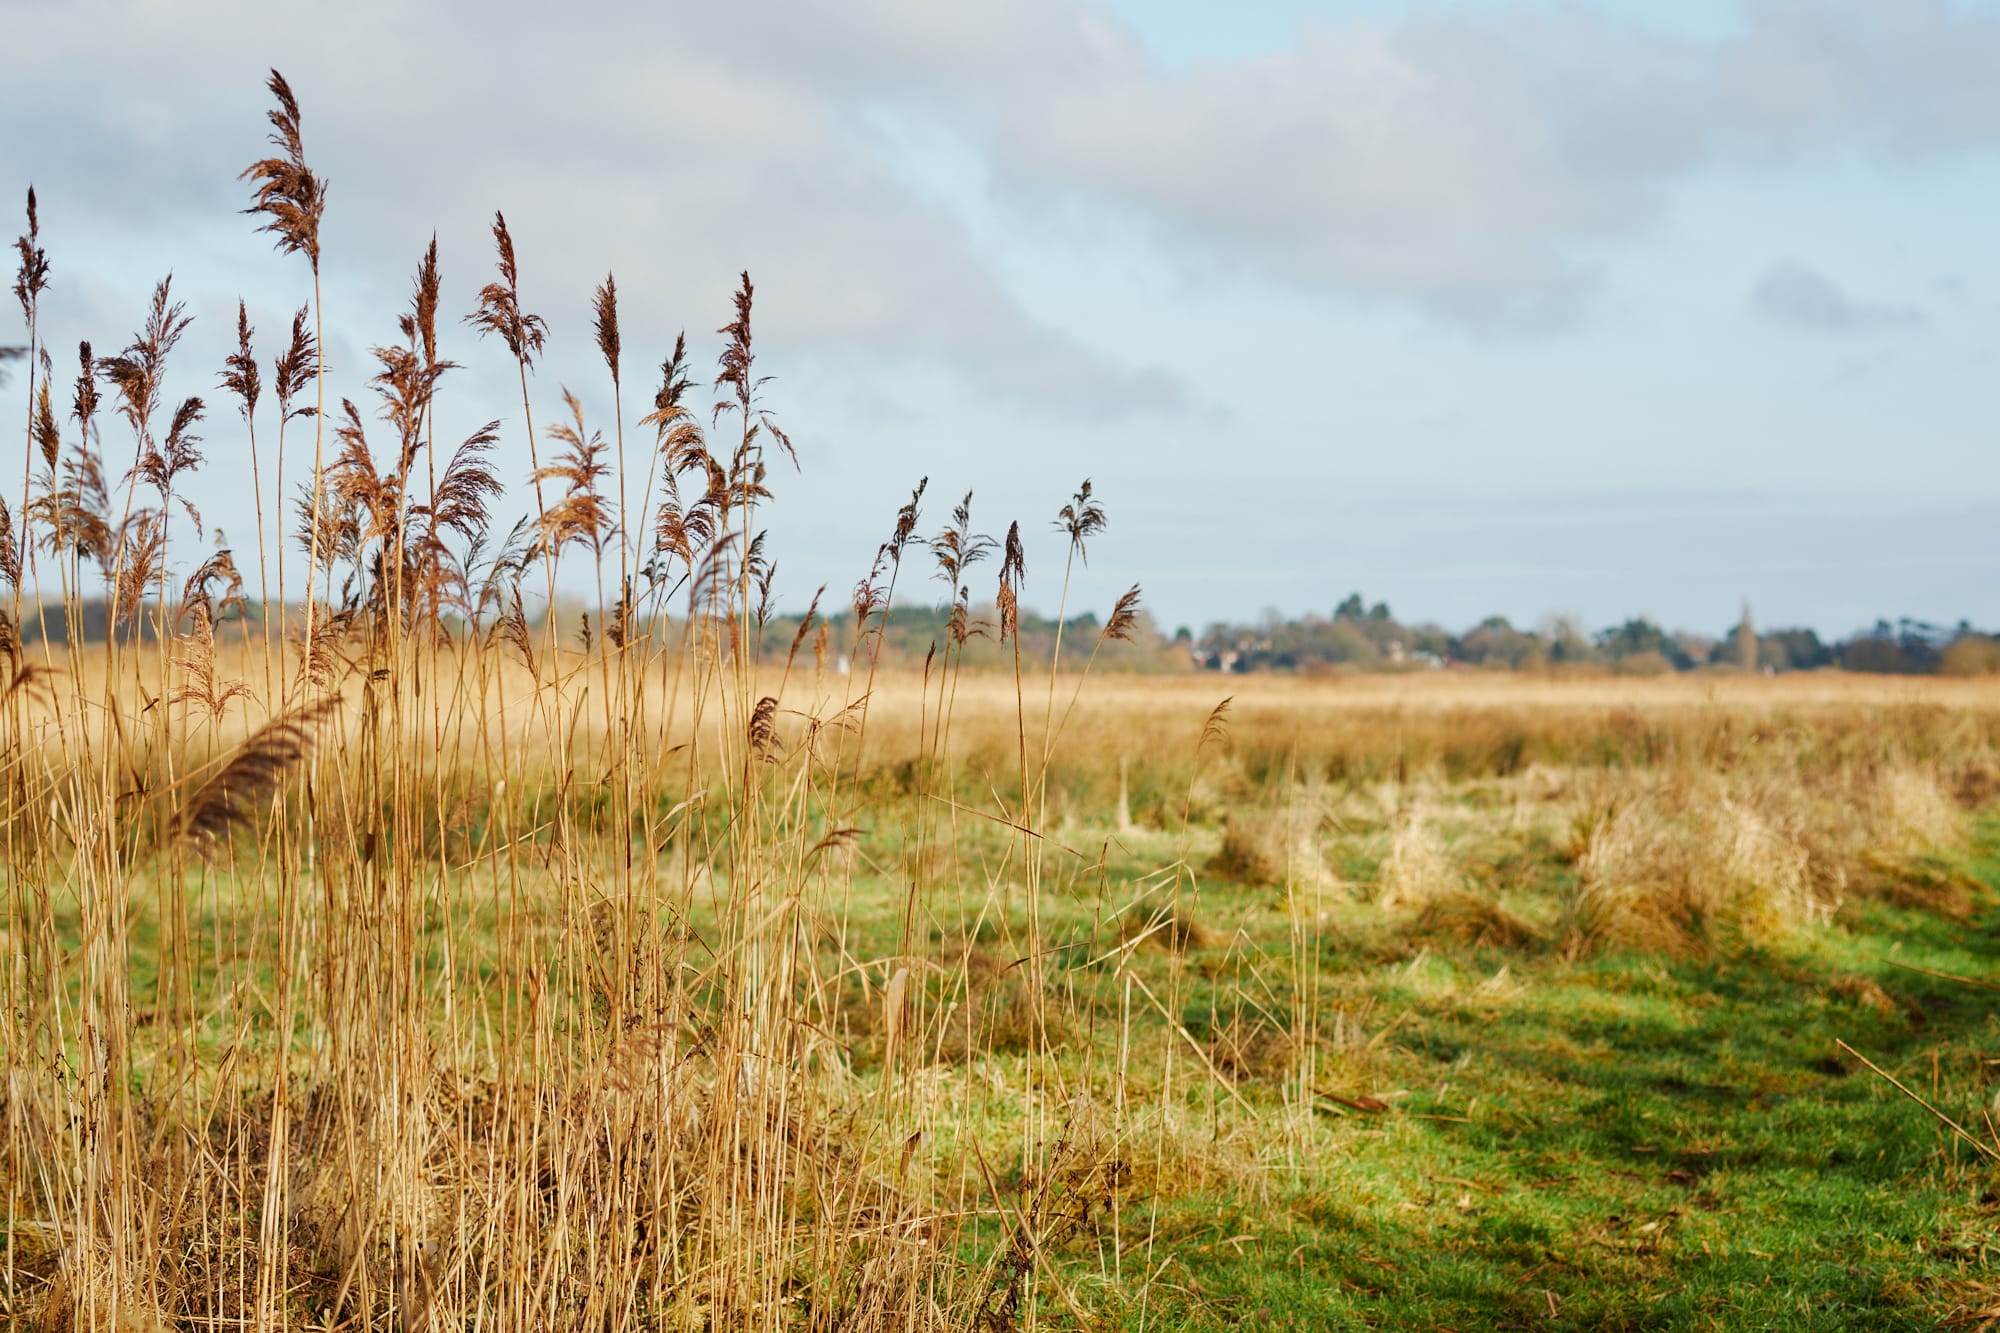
{"points": [[1013, 570], [10, 558], [138, 374], [31, 279], [48, 436], [229, 801], [289, 195], [500, 314], [682, 449], [295, 368], [1080, 520], [200, 590], [202, 684], [1124, 616], [579, 515], [240, 375], [604, 323]]}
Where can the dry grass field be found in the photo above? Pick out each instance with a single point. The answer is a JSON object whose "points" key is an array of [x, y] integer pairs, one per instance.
{"points": [[422, 964], [815, 1013]]}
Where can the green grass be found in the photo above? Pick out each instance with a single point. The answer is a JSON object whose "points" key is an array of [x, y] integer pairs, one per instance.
{"points": [[1626, 1143], [1619, 1143]]}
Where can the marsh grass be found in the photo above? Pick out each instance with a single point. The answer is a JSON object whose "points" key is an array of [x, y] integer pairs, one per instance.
{"points": [[385, 954]]}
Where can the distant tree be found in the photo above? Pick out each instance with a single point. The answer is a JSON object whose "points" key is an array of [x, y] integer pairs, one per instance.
{"points": [[1565, 641], [1351, 609], [1495, 642], [1794, 650], [1744, 641], [1906, 648], [1971, 654], [1642, 637], [1380, 611]]}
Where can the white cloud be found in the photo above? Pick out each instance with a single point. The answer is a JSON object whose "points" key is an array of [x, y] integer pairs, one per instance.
{"points": [[1479, 165]]}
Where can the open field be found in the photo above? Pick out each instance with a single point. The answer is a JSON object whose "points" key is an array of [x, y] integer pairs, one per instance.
{"points": [[1425, 1001], [432, 965]]}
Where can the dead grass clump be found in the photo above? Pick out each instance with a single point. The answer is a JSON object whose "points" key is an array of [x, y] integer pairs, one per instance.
{"points": [[1976, 786], [1253, 1047], [1915, 813], [1271, 846], [1766, 868], [987, 1004], [75, 1303], [1638, 888], [1865, 993], [1417, 869], [1463, 917], [1920, 883]]}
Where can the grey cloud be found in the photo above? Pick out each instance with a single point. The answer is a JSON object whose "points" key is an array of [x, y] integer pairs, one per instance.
{"points": [[674, 159], [1795, 294], [1473, 164]]}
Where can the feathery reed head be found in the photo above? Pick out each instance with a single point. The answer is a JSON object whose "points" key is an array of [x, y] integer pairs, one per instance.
{"points": [[32, 277], [906, 521], [48, 439], [467, 484], [735, 368], [677, 430], [736, 375], [161, 467], [1082, 518], [296, 367], [239, 374], [231, 799], [1124, 616], [288, 193], [604, 307], [581, 514], [83, 402], [1013, 569], [200, 588], [1215, 731], [424, 302], [138, 373], [202, 684], [514, 629], [500, 312], [957, 547], [10, 554], [764, 730], [78, 513]]}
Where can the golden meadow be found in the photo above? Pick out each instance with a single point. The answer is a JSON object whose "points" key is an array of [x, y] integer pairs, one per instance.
{"points": [[412, 961]]}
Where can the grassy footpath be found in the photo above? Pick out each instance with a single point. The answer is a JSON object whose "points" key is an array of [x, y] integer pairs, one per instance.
{"points": [[1635, 1143]]}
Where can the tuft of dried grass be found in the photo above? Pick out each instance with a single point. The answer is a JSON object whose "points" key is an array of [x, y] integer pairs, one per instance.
{"points": [[1920, 883], [1248, 1048], [1464, 917], [1272, 845], [1417, 870], [1916, 812]]}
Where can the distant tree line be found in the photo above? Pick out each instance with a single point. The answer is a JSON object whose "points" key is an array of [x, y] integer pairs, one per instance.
{"points": [[1357, 636], [1363, 636]]}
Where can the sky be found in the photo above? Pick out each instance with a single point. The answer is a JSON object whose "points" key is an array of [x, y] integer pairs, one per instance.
{"points": [[1474, 306]]}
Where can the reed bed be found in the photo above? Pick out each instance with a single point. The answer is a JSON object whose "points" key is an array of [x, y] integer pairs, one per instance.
{"points": [[382, 953]]}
